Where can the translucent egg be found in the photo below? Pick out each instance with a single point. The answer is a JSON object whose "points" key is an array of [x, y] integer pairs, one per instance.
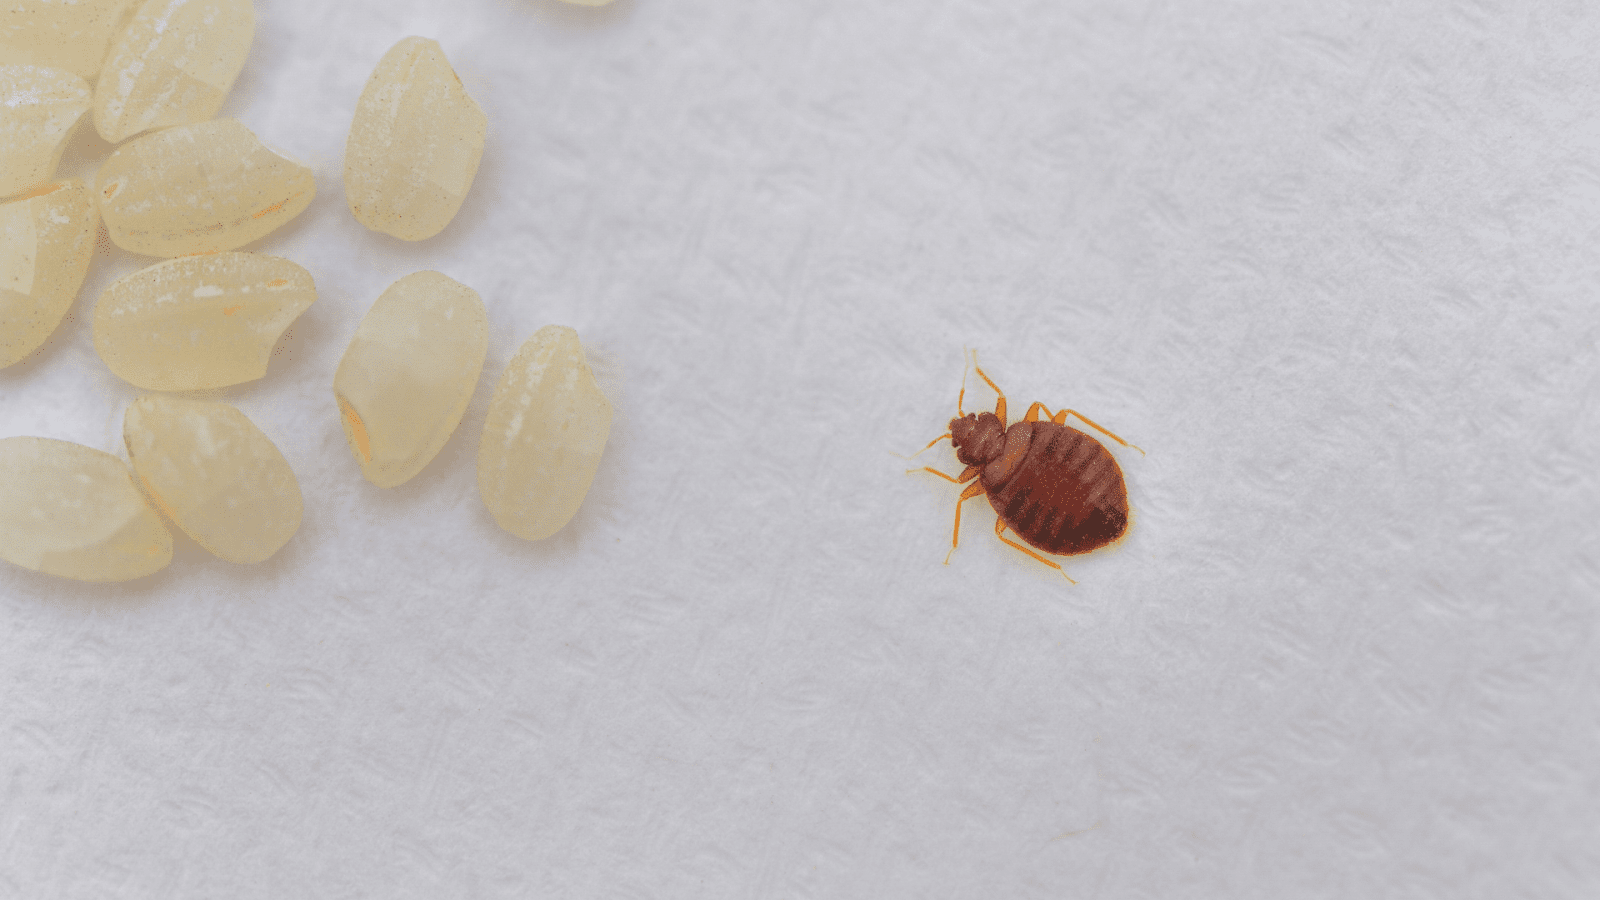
{"points": [[214, 474], [174, 64], [39, 108], [199, 322], [409, 373], [199, 189], [546, 428], [71, 510], [414, 144], [46, 240], [60, 34]]}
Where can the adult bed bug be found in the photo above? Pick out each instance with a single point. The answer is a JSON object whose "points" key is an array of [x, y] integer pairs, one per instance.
{"points": [[1058, 488]]}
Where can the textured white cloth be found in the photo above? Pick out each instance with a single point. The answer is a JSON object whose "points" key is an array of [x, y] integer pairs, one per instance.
{"points": [[1333, 266]]}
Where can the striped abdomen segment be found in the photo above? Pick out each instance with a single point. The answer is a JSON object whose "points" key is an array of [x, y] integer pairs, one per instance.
{"points": [[1067, 496]]}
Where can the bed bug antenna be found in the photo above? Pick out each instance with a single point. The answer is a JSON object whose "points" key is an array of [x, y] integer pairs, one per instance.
{"points": [[961, 397]]}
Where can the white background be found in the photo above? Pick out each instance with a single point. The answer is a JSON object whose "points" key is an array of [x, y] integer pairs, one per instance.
{"points": [[1334, 268]]}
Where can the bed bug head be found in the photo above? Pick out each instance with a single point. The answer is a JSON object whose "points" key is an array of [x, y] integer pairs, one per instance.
{"points": [[978, 437]]}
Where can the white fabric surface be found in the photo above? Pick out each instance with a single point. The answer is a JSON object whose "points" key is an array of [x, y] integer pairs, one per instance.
{"points": [[1334, 266]]}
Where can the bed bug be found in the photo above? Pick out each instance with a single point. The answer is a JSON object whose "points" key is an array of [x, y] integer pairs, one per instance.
{"points": [[1057, 487]]}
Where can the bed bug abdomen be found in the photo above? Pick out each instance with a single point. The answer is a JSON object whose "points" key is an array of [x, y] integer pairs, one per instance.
{"points": [[1066, 496]]}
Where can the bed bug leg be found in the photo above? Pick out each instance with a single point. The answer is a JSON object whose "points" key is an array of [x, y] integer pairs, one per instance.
{"points": [[924, 449], [967, 474], [973, 490], [999, 532], [1060, 418]]}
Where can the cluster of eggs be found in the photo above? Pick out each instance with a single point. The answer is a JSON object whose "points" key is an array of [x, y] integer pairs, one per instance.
{"points": [[194, 189]]}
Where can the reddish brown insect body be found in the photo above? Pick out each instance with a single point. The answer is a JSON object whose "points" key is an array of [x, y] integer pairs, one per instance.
{"points": [[1055, 486]]}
